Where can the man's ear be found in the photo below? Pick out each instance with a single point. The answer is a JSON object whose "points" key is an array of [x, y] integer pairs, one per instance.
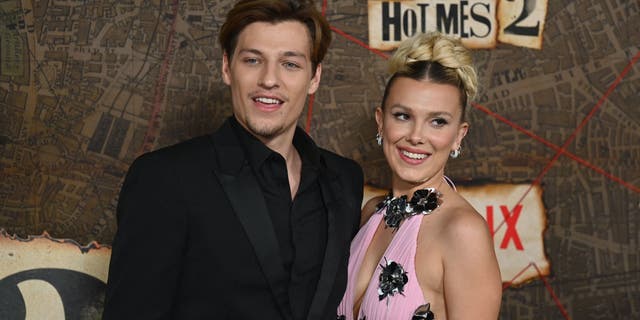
{"points": [[315, 80], [226, 73]]}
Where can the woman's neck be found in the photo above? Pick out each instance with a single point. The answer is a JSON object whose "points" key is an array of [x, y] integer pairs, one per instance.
{"points": [[400, 188]]}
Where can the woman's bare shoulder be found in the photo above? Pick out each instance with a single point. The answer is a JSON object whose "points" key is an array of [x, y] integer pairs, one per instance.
{"points": [[472, 277], [463, 224]]}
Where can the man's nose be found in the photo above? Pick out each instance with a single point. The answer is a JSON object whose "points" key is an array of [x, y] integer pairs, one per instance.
{"points": [[269, 78]]}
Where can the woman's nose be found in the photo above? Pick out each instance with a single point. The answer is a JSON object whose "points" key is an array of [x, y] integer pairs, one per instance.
{"points": [[416, 135]]}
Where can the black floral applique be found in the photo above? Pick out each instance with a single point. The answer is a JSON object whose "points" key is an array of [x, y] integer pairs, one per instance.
{"points": [[423, 312], [396, 212], [392, 279], [423, 201]]}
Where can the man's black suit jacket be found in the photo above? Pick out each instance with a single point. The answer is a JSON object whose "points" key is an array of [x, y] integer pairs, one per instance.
{"points": [[195, 240]]}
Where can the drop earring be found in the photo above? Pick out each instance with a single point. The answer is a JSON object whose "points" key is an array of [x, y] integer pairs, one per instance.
{"points": [[455, 153], [379, 138]]}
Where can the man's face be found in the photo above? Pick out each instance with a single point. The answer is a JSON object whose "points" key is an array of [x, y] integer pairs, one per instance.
{"points": [[270, 76]]}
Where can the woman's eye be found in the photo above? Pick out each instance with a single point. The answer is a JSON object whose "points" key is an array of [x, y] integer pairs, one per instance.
{"points": [[401, 116], [439, 122]]}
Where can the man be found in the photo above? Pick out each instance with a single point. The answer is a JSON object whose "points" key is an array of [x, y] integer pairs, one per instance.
{"points": [[253, 221]]}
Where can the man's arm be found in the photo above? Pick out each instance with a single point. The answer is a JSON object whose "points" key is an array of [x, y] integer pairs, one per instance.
{"points": [[147, 250], [357, 190]]}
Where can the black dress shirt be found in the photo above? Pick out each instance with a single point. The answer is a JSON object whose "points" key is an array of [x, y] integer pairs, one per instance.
{"points": [[300, 223]]}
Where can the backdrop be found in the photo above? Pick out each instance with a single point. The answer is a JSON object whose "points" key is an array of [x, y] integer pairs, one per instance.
{"points": [[87, 86]]}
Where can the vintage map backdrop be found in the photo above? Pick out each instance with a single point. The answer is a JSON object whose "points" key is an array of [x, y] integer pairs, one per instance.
{"points": [[86, 86]]}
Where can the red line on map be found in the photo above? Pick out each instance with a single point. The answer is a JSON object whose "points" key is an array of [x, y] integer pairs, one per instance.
{"points": [[154, 121], [563, 149], [584, 121], [557, 148], [508, 283], [310, 113], [551, 292]]}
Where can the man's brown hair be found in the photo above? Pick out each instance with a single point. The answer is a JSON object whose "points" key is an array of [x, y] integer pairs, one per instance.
{"points": [[246, 12]]}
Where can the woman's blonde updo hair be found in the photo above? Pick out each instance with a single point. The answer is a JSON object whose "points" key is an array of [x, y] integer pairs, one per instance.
{"points": [[438, 58]]}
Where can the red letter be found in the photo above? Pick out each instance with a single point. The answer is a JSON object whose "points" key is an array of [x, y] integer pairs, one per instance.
{"points": [[512, 232]]}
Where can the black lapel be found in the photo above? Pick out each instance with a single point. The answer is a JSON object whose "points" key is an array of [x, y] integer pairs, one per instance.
{"points": [[336, 233], [239, 183]]}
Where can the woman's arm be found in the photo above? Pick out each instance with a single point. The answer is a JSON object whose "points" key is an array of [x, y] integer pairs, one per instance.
{"points": [[472, 283]]}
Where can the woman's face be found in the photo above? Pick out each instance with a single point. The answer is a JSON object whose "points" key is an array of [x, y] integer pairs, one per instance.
{"points": [[420, 126]]}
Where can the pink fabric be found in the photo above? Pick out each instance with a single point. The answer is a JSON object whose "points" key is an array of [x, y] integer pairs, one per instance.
{"points": [[402, 250]]}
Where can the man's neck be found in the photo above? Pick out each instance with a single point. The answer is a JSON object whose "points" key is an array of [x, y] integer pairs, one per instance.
{"points": [[283, 144]]}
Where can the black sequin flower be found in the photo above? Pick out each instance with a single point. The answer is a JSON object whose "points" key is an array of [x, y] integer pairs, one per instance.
{"points": [[424, 201], [423, 312], [392, 279], [396, 212]]}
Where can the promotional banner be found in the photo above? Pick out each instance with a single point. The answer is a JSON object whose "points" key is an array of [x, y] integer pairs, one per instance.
{"points": [[46, 278], [480, 24]]}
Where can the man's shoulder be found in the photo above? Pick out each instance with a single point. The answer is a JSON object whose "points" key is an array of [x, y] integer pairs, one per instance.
{"points": [[199, 146], [333, 158], [182, 151], [342, 165]]}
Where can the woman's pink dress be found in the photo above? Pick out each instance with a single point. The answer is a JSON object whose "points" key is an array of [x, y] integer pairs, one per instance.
{"points": [[401, 250]]}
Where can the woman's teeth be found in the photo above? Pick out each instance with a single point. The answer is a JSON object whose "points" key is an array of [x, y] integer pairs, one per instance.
{"points": [[416, 156]]}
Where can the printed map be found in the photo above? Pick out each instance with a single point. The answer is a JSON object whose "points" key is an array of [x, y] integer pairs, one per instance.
{"points": [[86, 86]]}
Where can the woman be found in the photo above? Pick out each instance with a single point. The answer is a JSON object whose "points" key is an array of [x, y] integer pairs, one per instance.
{"points": [[423, 252]]}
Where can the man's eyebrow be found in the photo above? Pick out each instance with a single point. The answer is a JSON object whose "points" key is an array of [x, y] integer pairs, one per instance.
{"points": [[254, 51], [285, 54], [294, 54]]}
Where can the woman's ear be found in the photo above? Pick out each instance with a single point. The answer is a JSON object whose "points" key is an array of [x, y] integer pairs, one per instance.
{"points": [[462, 132], [379, 118]]}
